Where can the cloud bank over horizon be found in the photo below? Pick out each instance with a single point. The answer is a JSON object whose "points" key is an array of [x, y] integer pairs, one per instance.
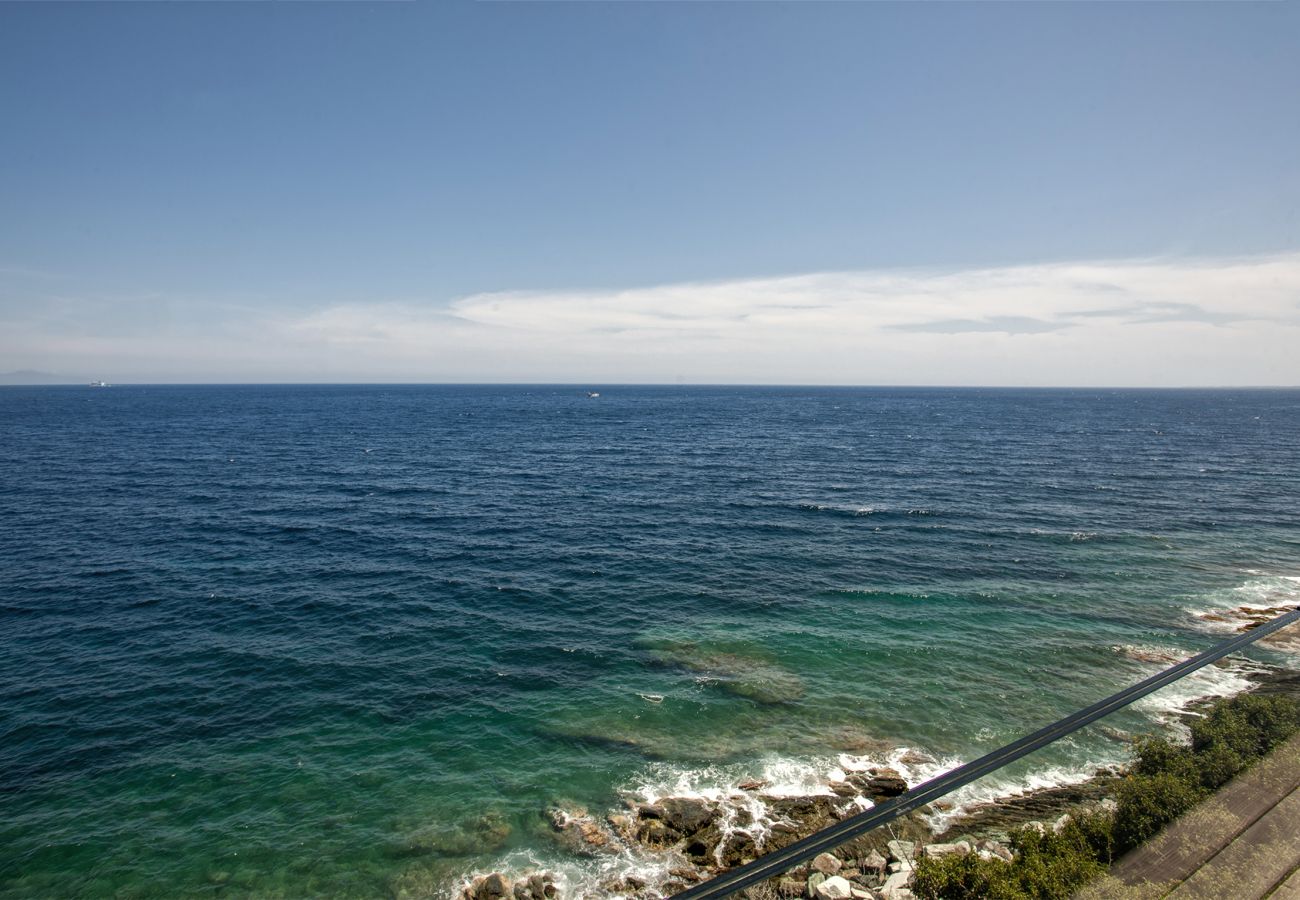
{"points": [[1157, 322]]}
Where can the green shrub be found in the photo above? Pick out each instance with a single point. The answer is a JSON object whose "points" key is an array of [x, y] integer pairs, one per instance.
{"points": [[1054, 864], [1157, 755], [1147, 803], [966, 878], [1097, 831], [1048, 865], [1164, 781], [1248, 726]]}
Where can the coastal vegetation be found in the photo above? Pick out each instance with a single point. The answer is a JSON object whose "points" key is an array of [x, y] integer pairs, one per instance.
{"points": [[1166, 779]]}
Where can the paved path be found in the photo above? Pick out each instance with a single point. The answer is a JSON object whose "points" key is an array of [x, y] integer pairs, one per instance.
{"points": [[1241, 844]]}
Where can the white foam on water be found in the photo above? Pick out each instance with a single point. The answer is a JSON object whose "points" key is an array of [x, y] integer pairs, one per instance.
{"points": [[993, 789], [593, 876], [781, 777], [1166, 705], [1232, 611]]}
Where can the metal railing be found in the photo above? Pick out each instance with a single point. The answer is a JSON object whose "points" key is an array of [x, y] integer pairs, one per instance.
{"points": [[773, 864]]}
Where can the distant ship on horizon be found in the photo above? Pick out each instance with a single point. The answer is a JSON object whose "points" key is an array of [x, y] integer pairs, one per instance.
{"points": [[99, 384]]}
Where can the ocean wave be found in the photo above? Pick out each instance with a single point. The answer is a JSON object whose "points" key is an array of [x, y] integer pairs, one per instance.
{"points": [[851, 510], [1169, 705]]}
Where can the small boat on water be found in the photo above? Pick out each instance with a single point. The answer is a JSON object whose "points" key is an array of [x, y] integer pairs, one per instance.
{"points": [[592, 395], [99, 384]]}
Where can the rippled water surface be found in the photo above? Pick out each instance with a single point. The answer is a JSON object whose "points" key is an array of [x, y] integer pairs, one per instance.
{"points": [[294, 641]]}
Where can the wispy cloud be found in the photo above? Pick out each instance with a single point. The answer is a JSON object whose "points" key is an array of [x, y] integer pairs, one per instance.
{"points": [[1003, 324], [1147, 321]]}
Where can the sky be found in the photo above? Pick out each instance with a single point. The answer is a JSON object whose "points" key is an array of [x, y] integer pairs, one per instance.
{"points": [[619, 192]]}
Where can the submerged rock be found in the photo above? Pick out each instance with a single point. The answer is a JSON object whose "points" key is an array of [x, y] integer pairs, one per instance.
{"points": [[742, 676], [488, 832]]}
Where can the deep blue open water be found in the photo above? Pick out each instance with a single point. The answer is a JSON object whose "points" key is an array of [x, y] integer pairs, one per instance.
{"points": [[343, 641]]}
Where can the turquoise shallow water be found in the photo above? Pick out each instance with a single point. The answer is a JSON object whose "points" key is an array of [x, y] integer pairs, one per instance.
{"points": [[297, 641]]}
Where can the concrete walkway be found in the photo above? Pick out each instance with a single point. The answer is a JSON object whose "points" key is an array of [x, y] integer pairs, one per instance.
{"points": [[1241, 844]]}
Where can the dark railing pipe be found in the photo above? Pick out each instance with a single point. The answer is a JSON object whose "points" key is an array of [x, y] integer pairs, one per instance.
{"points": [[773, 864]]}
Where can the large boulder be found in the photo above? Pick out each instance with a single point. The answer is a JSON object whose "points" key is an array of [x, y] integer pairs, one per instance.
{"points": [[673, 819], [686, 815], [834, 888], [798, 817], [880, 784], [495, 886], [902, 851], [935, 851], [897, 886], [656, 833], [826, 864]]}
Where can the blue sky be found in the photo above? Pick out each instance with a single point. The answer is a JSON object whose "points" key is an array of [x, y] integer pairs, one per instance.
{"points": [[761, 192]]}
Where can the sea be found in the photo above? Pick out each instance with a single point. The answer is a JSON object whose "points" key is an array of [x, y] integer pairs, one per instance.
{"points": [[361, 641]]}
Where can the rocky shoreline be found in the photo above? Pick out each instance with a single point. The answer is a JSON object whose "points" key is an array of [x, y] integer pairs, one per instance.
{"points": [[678, 841], [701, 838]]}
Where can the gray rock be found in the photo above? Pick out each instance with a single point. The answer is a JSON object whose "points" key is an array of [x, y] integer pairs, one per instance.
{"points": [[996, 851], [874, 862], [826, 864], [903, 851], [789, 888], [814, 882], [960, 848], [834, 888], [895, 884]]}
